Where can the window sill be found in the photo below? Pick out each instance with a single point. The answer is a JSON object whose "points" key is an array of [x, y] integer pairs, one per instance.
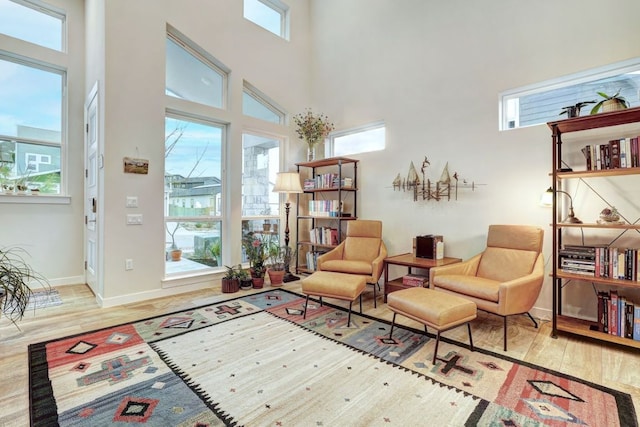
{"points": [[40, 199]]}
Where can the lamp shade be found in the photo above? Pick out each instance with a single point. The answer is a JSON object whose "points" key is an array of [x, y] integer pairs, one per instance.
{"points": [[287, 182], [546, 199]]}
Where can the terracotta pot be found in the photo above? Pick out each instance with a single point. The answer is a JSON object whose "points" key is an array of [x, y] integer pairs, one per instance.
{"points": [[258, 282], [230, 286], [176, 254], [275, 277]]}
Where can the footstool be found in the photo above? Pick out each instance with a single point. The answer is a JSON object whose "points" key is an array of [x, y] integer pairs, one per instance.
{"points": [[440, 310], [328, 284]]}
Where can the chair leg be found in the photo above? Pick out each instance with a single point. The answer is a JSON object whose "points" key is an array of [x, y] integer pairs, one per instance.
{"points": [[532, 319], [349, 318], [306, 303], [504, 338], [393, 322], [375, 301], [435, 351], [360, 303], [470, 337], [320, 301]]}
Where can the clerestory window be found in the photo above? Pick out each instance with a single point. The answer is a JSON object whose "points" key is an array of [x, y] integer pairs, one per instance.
{"points": [[258, 105], [543, 102], [362, 139], [33, 22], [272, 15]]}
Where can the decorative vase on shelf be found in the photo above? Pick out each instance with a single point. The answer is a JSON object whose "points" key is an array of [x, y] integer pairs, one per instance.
{"points": [[311, 152]]}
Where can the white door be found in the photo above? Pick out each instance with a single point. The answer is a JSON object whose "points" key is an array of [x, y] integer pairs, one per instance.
{"points": [[91, 188]]}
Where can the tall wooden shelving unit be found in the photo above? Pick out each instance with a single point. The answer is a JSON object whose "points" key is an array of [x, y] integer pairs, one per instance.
{"points": [[558, 128], [343, 167]]}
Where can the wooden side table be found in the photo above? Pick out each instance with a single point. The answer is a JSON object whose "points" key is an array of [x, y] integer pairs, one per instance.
{"points": [[410, 261]]}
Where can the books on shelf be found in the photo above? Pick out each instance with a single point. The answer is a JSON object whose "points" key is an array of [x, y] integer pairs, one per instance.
{"points": [[600, 261], [324, 208], [312, 259], [324, 236], [618, 315], [617, 153], [327, 181]]}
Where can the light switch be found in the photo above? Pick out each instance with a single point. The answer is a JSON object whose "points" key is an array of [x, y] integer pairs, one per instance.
{"points": [[134, 219], [132, 202]]}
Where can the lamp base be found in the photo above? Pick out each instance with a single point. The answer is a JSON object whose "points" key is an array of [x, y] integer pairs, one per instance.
{"points": [[288, 277], [572, 220]]}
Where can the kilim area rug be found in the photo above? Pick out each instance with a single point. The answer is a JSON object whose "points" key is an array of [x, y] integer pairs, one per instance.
{"points": [[254, 361]]}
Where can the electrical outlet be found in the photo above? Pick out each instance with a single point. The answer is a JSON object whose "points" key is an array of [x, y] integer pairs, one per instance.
{"points": [[132, 202], [128, 264], [134, 219]]}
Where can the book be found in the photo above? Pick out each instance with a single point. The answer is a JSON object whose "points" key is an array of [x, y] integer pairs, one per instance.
{"points": [[415, 280], [614, 153], [628, 320], [613, 313], [636, 322]]}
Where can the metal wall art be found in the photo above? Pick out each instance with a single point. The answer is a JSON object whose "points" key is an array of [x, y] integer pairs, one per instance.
{"points": [[426, 189]]}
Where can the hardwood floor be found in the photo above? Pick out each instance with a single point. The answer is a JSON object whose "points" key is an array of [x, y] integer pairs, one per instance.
{"points": [[611, 366]]}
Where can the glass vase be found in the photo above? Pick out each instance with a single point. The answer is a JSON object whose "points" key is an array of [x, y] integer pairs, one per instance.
{"points": [[311, 152]]}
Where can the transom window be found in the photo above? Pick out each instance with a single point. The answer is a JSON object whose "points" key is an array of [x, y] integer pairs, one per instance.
{"points": [[362, 139], [192, 74], [543, 102], [272, 15], [32, 22], [256, 104]]}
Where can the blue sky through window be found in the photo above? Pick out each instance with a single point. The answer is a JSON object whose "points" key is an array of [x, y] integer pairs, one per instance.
{"points": [[30, 25]]}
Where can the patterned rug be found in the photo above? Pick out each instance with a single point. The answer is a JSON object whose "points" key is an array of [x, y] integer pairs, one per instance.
{"points": [[42, 299], [253, 360]]}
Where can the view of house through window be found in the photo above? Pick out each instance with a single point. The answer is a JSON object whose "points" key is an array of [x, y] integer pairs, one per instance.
{"points": [[260, 205], [193, 194], [31, 127], [543, 102]]}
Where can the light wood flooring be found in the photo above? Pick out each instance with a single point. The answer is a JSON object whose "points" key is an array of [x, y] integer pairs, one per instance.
{"points": [[612, 366]]}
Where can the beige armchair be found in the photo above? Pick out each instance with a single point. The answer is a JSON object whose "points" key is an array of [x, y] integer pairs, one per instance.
{"points": [[505, 279], [362, 252]]}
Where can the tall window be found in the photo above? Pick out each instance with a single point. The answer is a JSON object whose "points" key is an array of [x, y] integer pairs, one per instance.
{"points": [[260, 205], [358, 140], [31, 126], [272, 15], [193, 193], [192, 74], [543, 102], [32, 22]]}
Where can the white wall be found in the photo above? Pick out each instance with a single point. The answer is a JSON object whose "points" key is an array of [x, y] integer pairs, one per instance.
{"points": [[433, 71]]}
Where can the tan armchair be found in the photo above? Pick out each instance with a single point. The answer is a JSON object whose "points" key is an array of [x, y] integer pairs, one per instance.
{"points": [[505, 279], [362, 252]]}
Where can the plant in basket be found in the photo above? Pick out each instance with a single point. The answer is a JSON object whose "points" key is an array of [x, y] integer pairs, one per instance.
{"points": [[230, 281]]}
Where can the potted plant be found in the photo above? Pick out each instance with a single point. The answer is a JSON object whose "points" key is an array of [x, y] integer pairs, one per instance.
{"points": [[16, 279], [174, 251], [574, 110], [276, 263], [255, 247], [610, 103], [313, 129], [245, 279], [230, 281]]}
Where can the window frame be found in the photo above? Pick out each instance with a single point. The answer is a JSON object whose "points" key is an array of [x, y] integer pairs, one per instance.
{"points": [[587, 76], [281, 9], [50, 10], [352, 131], [265, 101]]}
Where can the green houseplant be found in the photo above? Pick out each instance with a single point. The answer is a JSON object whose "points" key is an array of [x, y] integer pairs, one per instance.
{"points": [[230, 281], [256, 249], [276, 263], [16, 281], [610, 103]]}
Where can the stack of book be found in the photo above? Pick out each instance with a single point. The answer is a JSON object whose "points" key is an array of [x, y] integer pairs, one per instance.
{"points": [[312, 258], [617, 153], [415, 280], [618, 316], [578, 260], [324, 236]]}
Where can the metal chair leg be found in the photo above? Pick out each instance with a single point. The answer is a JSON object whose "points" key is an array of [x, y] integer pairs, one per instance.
{"points": [[360, 303], [470, 337], [393, 322], [435, 352], [306, 303], [349, 318], [504, 338], [532, 319]]}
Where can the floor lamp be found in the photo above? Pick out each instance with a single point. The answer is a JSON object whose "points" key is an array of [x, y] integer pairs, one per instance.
{"points": [[287, 182]]}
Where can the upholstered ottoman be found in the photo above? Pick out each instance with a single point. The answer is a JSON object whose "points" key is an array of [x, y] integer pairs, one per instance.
{"points": [[328, 284], [441, 311]]}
